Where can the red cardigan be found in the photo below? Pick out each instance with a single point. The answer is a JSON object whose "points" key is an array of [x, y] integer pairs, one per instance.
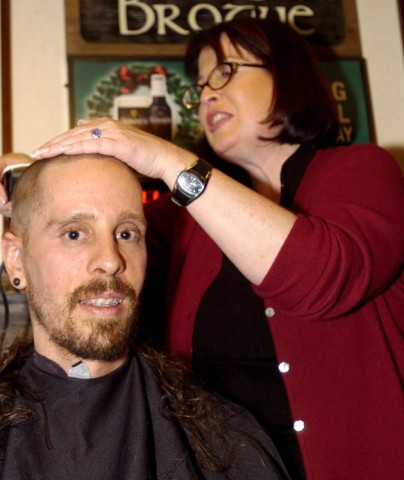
{"points": [[334, 300]]}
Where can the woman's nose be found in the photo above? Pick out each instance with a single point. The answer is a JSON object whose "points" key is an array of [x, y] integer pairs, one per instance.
{"points": [[208, 95]]}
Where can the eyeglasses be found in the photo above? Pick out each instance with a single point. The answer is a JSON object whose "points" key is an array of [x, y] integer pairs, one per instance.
{"points": [[218, 78]]}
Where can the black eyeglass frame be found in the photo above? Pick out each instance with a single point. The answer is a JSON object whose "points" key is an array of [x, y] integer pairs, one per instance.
{"points": [[234, 66]]}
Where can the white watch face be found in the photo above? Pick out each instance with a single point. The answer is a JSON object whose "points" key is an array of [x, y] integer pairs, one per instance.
{"points": [[190, 184]]}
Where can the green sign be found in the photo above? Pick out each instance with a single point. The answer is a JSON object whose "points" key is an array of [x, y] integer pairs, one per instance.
{"points": [[104, 88]]}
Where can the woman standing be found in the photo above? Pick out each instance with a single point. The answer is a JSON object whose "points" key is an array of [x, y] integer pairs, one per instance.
{"points": [[286, 291]]}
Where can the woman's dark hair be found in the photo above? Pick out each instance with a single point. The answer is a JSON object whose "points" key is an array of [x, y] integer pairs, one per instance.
{"points": [[302, 101]]}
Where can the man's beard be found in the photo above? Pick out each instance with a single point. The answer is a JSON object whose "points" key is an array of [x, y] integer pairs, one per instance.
{"points": [[90, 338]]}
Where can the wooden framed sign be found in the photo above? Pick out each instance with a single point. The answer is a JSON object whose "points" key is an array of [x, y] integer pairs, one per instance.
{"points": [[6, 85], [162, 27], [118, 49], [401, 13]]}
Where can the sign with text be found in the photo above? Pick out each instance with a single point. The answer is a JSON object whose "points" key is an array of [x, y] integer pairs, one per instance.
{"points": [[172, 21], [147, 26]]}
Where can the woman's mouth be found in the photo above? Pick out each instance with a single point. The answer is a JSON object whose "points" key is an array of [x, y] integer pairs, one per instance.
{"points": [[215, 119]]}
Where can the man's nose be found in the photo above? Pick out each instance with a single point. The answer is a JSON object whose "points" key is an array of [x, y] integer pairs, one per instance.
{"points": [[107, 258]]}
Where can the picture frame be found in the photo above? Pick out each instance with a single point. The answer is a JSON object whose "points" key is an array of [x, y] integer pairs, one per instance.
{"points": [[350, 87], [400, 5], [6, 85], [97, 85], [93, 27], [121, 89]]}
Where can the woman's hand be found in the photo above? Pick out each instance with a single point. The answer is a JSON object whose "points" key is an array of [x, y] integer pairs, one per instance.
{"points": [[5, 161], [149, 155]]}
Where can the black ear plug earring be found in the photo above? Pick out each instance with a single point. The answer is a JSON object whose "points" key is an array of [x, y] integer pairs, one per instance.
{"points": [[16, 282]]}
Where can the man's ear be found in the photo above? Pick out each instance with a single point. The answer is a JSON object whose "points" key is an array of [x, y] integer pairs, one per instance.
{"points": [[12, 255]]}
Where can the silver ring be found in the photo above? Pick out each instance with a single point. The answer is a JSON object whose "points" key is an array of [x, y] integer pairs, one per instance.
{"points": [[96, 133]]}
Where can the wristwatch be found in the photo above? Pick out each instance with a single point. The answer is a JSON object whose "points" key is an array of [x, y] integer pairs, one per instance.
{"points": [[191, 183]]}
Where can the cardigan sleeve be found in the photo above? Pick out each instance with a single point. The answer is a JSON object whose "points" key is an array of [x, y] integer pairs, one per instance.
{"points": [[347, 244]]}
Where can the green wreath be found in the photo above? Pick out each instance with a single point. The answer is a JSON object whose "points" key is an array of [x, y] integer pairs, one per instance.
{"points": [[127, 79]]}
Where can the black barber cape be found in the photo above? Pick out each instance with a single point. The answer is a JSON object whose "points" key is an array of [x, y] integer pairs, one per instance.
{"points": [[112, 428]]}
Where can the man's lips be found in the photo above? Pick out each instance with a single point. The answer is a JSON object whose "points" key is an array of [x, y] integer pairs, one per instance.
{"points": [[102, 301]]}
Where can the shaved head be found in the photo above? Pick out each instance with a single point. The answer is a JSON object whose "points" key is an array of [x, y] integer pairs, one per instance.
{"points": [[28, 195]]}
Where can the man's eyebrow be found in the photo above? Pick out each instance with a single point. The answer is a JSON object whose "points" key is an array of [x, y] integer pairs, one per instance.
{"points": [[84, 216], [134, 217], [70, 218]]}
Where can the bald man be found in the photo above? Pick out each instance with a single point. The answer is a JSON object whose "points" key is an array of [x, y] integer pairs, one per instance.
{"points": [[85, 401]]}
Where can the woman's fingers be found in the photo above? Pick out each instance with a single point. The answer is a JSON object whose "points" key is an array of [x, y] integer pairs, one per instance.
{"points": [[81, 133], [145, 153], [87, 137]]}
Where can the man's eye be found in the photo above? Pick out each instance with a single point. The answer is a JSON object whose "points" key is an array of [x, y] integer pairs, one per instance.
{"points": [[127, 235], [73, 235]]}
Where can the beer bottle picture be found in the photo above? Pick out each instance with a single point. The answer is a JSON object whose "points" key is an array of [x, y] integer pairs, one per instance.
{"points": [[132, 110], [160, 118]]}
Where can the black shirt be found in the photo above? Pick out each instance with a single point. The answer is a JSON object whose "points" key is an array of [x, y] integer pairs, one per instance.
{"points": [[233, 350]]}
